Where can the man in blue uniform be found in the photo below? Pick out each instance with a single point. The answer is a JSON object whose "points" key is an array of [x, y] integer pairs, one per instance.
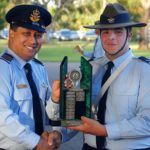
{"points": [[24, 86], [121, 89]]}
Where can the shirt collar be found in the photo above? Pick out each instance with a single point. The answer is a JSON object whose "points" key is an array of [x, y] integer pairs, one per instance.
{"points": [[120, 59], [18, 61]]}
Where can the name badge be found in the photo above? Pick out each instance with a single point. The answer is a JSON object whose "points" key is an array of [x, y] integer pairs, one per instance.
{"points": [[21, 86]]}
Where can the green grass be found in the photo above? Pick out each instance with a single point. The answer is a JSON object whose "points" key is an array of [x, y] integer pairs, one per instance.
{"points": [[54, 51], [3, 44], [138, 52]]}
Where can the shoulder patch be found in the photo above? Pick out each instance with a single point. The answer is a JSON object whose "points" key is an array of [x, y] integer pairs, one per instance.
{"points": [[144, 59], [37, 61], [7, 57]]}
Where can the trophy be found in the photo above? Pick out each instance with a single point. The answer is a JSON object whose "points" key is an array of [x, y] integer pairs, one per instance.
{"points": [[76, 101]]}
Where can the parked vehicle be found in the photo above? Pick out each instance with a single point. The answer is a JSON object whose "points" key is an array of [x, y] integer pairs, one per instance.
{"points": [[64, 34], [50, 34], [74, 35], [81, 34], [56, 34], [4, 33], [67, 34], [90, 35]]}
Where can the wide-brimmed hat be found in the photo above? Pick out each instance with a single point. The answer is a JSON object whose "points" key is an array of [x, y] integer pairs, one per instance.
{"points": [[115, 16], [33, 17]]}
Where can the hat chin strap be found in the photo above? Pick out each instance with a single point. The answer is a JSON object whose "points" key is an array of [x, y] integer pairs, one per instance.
{"points": [[122, 46]]}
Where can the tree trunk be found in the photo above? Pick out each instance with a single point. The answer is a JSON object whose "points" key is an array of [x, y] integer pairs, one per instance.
{"points": [[143, 40]]}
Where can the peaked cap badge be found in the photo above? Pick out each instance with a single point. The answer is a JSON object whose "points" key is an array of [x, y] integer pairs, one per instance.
{"points": [[35, 16], [111, 20]]}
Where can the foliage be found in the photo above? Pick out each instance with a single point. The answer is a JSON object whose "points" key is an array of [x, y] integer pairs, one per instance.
{"points": [[134, 7], [17, 2], [44, 3], [2, 12], [140, 13], [76, 13], [73, 16]]}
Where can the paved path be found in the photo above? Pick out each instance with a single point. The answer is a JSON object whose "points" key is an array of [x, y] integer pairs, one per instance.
{"points": [[53, 72]]}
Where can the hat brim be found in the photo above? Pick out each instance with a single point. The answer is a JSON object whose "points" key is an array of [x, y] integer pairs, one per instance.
{"points": [[119, 25], [29, 26]]}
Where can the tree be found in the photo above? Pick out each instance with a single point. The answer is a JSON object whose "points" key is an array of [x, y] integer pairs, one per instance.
{"points": [[140, 13], [74, 14], [146, 5], [44, 3], [2, 12]]}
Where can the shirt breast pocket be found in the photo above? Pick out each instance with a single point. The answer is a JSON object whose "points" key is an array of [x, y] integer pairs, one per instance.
{"points": [[22, 105], [22, 99], [126, 97], [22, 94]]}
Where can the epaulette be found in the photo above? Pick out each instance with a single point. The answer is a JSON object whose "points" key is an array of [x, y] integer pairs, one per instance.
{"points": [[144, 59], [7, 57], [37, 61]]}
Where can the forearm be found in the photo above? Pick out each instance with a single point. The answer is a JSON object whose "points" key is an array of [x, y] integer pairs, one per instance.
{"points": [[87, 54], [19, 134], [52, 110], [12, 128], [135, 127]]}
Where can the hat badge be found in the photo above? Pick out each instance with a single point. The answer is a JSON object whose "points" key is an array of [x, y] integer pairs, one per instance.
{"points": [[35, 16], [111, 20]]}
